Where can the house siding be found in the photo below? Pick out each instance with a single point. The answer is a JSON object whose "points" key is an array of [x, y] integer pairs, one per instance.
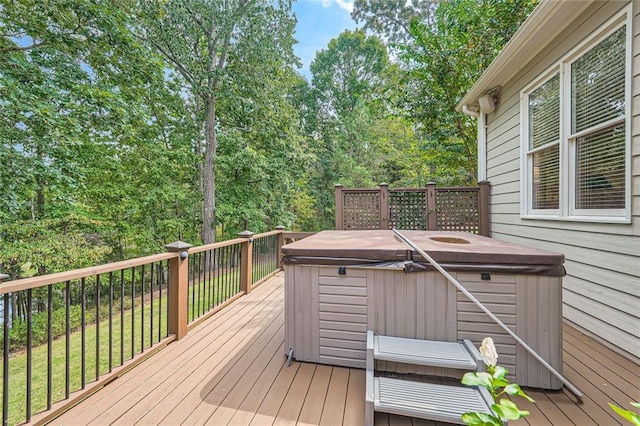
{"points": [[601, 292]]}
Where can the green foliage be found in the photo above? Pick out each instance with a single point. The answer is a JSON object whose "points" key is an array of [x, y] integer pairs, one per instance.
{"points": [[127, 125], [628, 415], [496, 382], [39, 331], [443, 50], [356, 137], [390, 18]]}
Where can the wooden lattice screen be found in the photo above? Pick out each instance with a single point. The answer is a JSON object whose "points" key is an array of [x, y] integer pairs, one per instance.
{"points": [[431, 208], [457, 210], [408, 209], [361, 210]]}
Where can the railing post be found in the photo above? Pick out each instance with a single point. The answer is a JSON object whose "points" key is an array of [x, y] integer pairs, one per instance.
{"points": [[246, 262], [484, 208], [384, 206], [178, 288], [339, 207], [432, 222], [280, 228]]}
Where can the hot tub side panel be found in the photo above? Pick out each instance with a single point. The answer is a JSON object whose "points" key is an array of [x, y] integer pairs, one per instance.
{"points": [[418, 306], [539, 319], [326, 315]]}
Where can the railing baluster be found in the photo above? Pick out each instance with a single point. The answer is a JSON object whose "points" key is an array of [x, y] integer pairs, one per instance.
{"points": [[225, 273], [110, 321], [206, 303], [97, 326], [214, 276], [160, 282], [49, 345], [29, 352], [67, 357], [142, 310], [214, 270], [196, 306], [194, 313], [5, 362], [133, 312], [208, 256], [168, 292], [237, 277], [122, 317], [83, 337], [151, 310]]}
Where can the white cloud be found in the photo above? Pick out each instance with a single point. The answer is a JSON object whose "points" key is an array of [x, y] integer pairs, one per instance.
{"points": [[346, 5]]}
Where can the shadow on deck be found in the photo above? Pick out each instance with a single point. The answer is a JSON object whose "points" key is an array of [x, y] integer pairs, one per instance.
{"points": [[232, 370]]}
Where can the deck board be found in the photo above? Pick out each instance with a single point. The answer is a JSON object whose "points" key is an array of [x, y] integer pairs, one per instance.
{"points": [[232, 370]]}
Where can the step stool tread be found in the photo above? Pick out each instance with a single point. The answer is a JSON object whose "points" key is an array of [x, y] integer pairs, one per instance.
{"points": [[423, 352], [427, 400]]}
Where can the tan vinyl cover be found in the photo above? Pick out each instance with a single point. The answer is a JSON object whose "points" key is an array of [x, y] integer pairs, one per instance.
{"points": [[459, 249]]}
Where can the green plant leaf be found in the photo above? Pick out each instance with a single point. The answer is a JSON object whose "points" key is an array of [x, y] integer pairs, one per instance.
{"points": [[514, 389], [628, 415], [481, 419], [508, 410], [500, 372], [478, 379]]}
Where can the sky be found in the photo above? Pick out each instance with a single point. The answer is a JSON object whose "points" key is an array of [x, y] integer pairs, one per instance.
{"points": [[319, 21]]}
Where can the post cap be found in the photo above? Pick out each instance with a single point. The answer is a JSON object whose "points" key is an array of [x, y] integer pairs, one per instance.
{"points": [[337, 185], [432, 183], [3, 277], [384, 184], [245, 234], [177, 246], [281, 227]]}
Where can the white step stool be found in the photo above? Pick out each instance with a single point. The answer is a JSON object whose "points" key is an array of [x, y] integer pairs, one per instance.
{"points": [[417, 399]]}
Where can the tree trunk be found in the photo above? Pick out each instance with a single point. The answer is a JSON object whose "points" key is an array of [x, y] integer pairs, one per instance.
{"points": [[209, 204]]}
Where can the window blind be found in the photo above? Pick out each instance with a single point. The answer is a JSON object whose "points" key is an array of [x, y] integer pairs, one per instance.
{"points": [[544, 131], [546, 179], [544, 114], [600, 170], [598, 96], [597, 83]]}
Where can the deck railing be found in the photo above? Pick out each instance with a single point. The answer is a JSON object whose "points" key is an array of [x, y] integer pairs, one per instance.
{"points": [[430, 208], [75, 331]]}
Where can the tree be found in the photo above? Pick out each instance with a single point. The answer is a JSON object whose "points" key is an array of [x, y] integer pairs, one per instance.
{"points": [[199, 38], [390, 18], [85, 116], [357, 134], [446, 55]]}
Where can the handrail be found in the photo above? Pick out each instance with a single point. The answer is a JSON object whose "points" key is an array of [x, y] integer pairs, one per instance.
{"points": [[484, 309], [220, 244], [267, 234], [59, 277]]}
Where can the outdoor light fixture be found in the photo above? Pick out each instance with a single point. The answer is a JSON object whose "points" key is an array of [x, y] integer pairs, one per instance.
{"points": [[487, 104]]}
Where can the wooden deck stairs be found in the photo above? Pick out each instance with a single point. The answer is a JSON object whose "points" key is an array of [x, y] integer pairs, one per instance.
{"points": [[418, 399]]}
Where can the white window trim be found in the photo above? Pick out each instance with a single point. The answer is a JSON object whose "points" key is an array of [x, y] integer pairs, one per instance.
{"points": [[565, 212]]}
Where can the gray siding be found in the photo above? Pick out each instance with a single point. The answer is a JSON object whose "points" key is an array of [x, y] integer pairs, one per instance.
{"points": [[602, 288]]}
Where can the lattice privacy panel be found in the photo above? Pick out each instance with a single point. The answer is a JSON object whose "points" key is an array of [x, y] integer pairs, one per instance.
{"points": [[361, 210], [408, 209], [457, 210]]}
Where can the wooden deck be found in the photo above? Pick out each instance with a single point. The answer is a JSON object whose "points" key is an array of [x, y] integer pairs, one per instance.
{"points": [[232, 370]]}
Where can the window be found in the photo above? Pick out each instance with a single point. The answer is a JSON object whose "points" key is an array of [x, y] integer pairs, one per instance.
{"points": [[576, 138]]}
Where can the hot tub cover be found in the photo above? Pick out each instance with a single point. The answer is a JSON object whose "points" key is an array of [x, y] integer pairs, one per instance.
{"points": [[456, 251]]}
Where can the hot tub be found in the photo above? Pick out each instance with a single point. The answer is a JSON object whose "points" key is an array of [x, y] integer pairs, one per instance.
{"points": [[339, 284]]}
